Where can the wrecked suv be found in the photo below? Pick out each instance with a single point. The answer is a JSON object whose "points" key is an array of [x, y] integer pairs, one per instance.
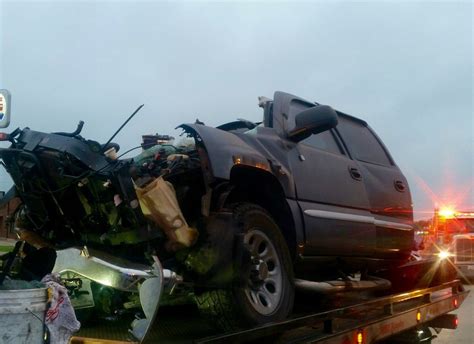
{"points": [[232, 216]]}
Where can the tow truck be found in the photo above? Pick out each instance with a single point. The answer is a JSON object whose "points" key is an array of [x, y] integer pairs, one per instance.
{"points": [[451, 235], [348, 318]]}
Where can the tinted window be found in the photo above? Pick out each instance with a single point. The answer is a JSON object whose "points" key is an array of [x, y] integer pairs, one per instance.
{"points": [[296, 107], [324, 141], [361, 142]]}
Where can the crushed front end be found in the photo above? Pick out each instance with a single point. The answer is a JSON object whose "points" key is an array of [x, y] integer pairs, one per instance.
{"points": [[112, 222]]}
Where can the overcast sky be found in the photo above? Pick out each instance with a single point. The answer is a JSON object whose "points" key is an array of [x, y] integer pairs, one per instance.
{"points": [[405, 67]]}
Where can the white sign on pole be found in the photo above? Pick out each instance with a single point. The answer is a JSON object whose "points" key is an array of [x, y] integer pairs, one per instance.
{"points": [[5, 105]]}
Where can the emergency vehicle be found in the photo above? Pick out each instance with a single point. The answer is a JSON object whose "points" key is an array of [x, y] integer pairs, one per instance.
{"points": [[452, 236]]}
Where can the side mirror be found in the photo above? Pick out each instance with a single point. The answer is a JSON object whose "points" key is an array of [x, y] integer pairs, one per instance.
{"points": [[5, 98], [314, 120]]}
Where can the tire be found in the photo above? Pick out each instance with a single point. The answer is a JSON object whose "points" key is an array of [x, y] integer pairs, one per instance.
{"points": [[265, 290]]}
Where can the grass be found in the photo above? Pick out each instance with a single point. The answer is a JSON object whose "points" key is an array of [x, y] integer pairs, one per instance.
{"points": [[5, 249]]}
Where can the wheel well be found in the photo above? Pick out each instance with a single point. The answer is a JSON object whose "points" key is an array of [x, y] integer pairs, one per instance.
{"points": [[249, 184]]}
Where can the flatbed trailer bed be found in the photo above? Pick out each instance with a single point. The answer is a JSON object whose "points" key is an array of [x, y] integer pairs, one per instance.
{"points": [[368, 321]]}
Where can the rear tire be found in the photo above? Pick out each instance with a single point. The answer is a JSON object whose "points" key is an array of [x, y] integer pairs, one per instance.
{"points": [[265, 290]]}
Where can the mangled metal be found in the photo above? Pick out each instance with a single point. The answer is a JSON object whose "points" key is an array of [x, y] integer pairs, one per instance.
{"points": [[101, 268], [149, 281]]}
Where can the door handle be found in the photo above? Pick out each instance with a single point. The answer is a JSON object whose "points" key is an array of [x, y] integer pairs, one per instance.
{"points": [[355, 174], [399, 186]]}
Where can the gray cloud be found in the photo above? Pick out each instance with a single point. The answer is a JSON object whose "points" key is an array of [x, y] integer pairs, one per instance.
{"points": [[404, 67]]}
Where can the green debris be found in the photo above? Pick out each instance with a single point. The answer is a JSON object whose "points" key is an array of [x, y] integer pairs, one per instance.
{"points": [[202, 260], [5, 249], [149, 154], [120, 237]]}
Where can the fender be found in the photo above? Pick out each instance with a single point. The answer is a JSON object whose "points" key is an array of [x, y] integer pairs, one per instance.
{"points": [[226, 150], [223, 148]]}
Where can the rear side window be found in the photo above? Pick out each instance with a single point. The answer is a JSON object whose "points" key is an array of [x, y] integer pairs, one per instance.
{"points": [[324, 141], [361, 142]]}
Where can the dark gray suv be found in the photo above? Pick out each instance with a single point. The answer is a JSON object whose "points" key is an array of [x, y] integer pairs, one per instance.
{"points": [[322, 194]]}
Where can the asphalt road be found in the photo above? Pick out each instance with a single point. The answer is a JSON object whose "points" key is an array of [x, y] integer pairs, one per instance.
{"points": [[464, 334]]}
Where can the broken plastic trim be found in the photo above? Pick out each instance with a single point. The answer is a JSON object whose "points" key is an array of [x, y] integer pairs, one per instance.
{"points": [[150, 294]]}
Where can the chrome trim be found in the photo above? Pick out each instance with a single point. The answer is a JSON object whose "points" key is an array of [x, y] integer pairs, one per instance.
{"points": [[332, 215], [394, 225], [102, 268]]}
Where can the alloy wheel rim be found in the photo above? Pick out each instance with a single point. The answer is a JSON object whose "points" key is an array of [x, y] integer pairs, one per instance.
{"points": [[265, 281]]}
